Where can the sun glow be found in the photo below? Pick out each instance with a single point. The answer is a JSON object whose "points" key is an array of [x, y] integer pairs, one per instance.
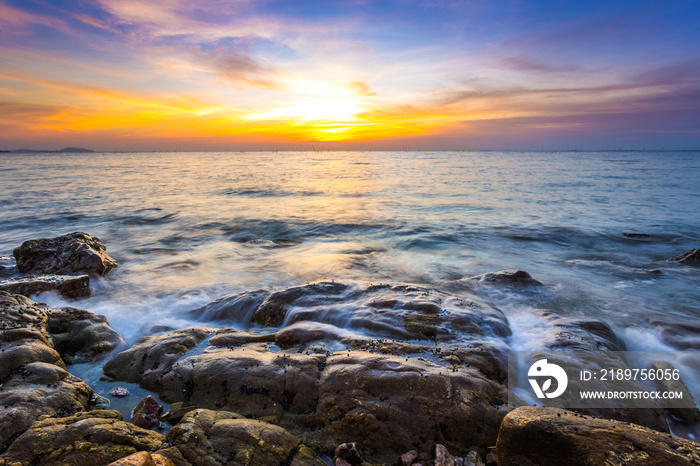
{"points": [[335, 110]]}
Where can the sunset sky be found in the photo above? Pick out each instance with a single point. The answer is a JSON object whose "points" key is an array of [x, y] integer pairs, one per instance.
{"points": [[355, 74]]}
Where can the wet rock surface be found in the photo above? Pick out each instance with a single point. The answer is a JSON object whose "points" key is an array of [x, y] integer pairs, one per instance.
{"points": [[205, 437], [688, 411], [150, 357], [64, 255], [507, 277], [81, 336], [595, 345], [93, 438], [146, 413], [440, 379], [71, 287], [33, 376], [533, 436]]}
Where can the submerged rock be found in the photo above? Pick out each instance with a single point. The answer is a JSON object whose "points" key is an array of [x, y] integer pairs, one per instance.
{"points": [[394, 311], [64, 255], [691, 257], [556, 436], [238, 307], [507, 277], [273, 310], [71, 287], [86, 439]]}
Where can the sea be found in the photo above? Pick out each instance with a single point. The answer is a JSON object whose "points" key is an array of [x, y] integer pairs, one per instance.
{"points": [[597, 228]]}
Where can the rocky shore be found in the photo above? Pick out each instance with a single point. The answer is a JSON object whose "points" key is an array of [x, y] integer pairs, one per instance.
{"points": [[327, 373]]}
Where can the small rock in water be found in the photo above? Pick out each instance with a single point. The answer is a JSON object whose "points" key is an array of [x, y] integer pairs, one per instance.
{"points": [[636, 235], [510, 277], [347, 453], [689, 257], [119, 392], [146, 413]]}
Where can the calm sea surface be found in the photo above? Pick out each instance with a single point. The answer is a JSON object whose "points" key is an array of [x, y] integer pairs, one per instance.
{"points": [[187, 228]]}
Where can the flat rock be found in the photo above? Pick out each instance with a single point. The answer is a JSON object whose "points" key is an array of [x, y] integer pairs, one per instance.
{"points": [[534, 436], [64, 255], [86, 439], [68, 286]]}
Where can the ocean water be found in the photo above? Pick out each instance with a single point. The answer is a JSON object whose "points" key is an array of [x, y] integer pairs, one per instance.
{"points": [[189, 227]]}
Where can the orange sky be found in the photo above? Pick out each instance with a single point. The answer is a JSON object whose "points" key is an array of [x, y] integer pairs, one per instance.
{"points": [[215, 75]]}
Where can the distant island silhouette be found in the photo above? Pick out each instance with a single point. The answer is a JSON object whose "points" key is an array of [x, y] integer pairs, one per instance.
{"points": [[65, 149]]}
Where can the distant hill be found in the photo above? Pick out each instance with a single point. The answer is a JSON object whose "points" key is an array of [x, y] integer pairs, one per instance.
{"points": [[75, 149], [65, 149]]}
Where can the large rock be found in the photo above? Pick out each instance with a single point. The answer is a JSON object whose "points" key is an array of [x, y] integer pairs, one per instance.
{"points": [[538, 436], [393, 311], [68, 286], [390, 402], [33, 376], [81, 336], [86, 439], [150, 357], [579, 344], [205, 438], [37, 389], [64, 255]]}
